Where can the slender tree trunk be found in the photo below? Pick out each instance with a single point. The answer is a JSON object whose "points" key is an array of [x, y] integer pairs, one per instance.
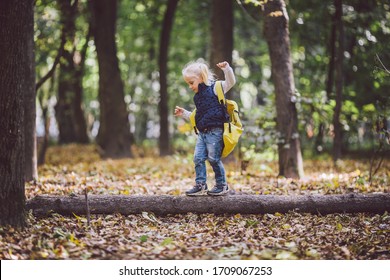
{"points": [[43, 99], [337, 142], [221, 30], [319, 141], [114, 131], [331, 66], [221, 34], [277, 36], [69, 114], [63, 108], [329, 84], [45, 140], [164, 142], [16, 84], [80, 122]]}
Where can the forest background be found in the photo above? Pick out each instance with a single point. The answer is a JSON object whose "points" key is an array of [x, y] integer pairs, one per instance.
{"points": [[108, 76], [138, 39]]}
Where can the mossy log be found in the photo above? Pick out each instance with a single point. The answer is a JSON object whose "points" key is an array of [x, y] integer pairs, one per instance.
{"points": [[229, 204]]}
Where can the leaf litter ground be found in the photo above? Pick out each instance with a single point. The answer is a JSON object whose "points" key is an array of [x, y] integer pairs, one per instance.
{"points": [[72, 169]]}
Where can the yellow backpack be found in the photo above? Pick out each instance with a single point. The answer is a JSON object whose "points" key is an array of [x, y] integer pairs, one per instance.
{"points": [[232, 129]]}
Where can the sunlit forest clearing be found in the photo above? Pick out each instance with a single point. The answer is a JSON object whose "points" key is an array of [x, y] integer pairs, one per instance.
{"points": [[94, 109], [72, 169]]}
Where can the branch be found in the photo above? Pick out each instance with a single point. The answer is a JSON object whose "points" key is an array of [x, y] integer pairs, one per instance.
{"points": [[384, 67], [242, 6], [56, 62]]}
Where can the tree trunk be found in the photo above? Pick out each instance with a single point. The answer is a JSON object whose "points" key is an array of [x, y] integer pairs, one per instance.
{"points": [[221, 34], [69, 114], [163, 61], [114, 131], [45, 140], [319, 141], [63, 108], [337, 142], [30, 137], [230, 204], [331, 66], [318, 146], [78, 112], [277, 36], [17, 87]]}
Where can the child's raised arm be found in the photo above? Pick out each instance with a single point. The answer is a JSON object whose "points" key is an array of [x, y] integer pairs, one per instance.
{"points": [[230, 79]]}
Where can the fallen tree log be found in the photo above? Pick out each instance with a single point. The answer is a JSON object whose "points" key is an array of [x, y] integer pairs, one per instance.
{"points": [[230, 204]]}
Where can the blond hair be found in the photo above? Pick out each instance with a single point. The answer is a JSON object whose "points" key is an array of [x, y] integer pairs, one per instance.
{"points": [[199, 69]]}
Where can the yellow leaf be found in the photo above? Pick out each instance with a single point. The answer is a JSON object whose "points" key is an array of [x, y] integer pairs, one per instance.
{"points": [[44, 254], [77, 217], [125, 192], [276, 14], [286, 226]]}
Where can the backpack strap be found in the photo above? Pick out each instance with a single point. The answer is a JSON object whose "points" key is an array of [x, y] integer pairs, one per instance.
{"points": [[221, 95], [192, 121], [221, 99]]}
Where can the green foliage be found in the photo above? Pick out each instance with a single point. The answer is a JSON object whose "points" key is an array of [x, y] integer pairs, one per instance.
{"points": [[47, 35], [366, 83], [366, 30]]}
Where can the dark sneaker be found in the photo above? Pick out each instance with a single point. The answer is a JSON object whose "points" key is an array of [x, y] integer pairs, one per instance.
{"points": [[218, 190], [198, 189]]}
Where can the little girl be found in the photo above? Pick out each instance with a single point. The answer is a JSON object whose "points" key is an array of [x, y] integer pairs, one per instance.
{"points": [[210, 117]]}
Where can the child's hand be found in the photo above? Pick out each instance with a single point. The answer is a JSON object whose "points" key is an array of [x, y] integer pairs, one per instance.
{"points": [[178, 111], [223, 64]]}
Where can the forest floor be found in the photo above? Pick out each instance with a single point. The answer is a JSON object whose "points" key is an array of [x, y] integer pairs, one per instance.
{"points": [[73, 168]]}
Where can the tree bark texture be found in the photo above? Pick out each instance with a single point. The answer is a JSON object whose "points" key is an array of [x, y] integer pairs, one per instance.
{"points": [[164, 143], [114, 131], [230, 204], [221, 34], [277, 36], [17, 86]]}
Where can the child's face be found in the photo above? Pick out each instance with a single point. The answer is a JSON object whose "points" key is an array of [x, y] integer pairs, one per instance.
{"points": [[193, 83]]}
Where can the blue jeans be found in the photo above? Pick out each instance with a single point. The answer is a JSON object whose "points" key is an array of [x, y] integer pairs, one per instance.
{"points": [[209, 147]]}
